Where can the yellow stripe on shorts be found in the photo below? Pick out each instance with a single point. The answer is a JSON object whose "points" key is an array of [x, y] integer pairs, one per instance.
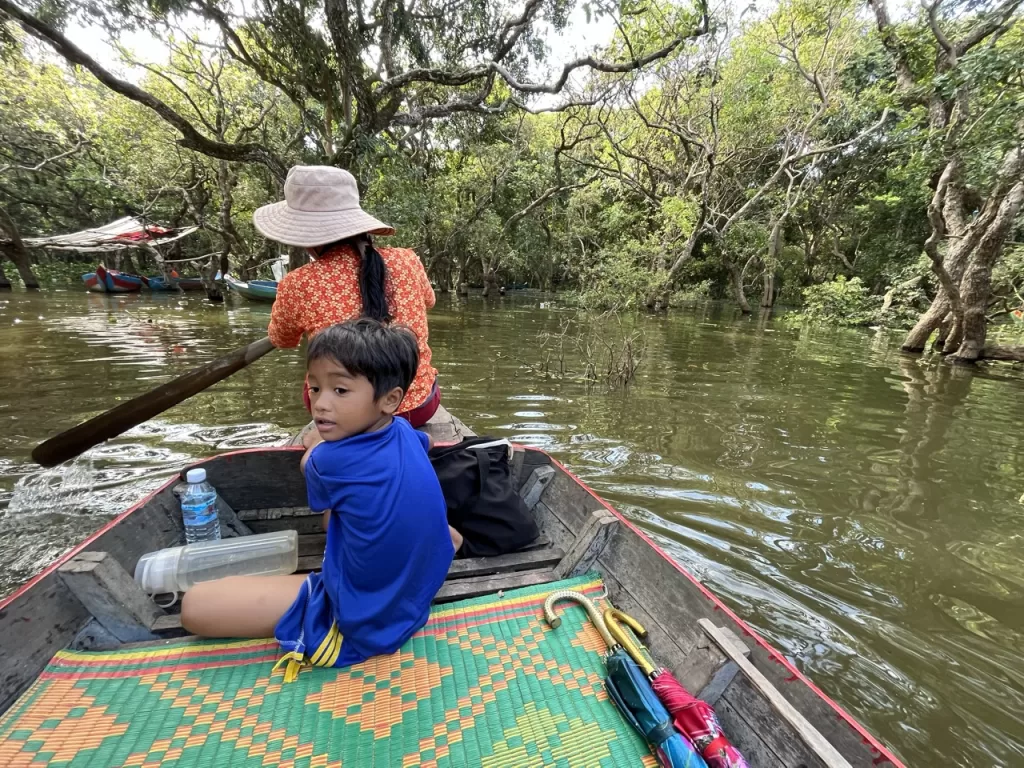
{"points": [[330, 648]]}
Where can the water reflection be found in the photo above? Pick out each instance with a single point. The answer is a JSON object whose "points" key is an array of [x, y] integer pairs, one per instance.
{"points": [[858, 506]]}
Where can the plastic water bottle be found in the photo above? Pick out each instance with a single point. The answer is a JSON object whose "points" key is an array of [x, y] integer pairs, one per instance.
{"points": [[178, 569], [199, 508]]}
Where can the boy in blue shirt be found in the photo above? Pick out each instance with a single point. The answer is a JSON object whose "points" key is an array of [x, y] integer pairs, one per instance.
{"points": [[389, 545]]}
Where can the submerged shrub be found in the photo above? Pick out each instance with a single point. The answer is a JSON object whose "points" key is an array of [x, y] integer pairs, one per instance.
{"points": [[842, 302]]}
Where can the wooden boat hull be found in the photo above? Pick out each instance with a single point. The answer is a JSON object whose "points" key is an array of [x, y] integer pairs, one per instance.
{"points": [[105, 280], [191, 284], [157, 283], [93, 283], [254, 290], [581, 533]]}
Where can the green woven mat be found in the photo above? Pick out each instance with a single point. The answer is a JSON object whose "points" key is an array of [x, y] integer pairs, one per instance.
{"points": [[486, 682]]}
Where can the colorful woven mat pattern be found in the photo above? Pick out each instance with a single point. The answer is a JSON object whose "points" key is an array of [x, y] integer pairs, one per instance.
{"points": [[485, 683]]}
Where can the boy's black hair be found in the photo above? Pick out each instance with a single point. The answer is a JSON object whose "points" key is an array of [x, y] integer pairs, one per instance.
{"points": [[387, 355]]}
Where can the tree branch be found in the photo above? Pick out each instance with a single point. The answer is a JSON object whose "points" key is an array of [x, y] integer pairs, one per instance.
{"points": [[191, 138], [45, 161], [997, 21]]}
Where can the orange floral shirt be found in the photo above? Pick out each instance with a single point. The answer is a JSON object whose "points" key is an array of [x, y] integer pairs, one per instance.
{"points": [[326, 291]]}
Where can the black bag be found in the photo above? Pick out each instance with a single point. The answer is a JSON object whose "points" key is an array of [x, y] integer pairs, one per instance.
{"points": [[476, 479]]}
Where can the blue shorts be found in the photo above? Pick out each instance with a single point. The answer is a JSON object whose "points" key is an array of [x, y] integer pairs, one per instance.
{"points": [[307, 631]]}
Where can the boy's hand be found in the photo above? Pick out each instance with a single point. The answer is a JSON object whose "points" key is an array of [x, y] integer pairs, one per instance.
{"points": [[311, 438]]}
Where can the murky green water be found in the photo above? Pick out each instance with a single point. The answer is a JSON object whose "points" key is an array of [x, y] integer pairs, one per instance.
{"points": [[861, 509]]}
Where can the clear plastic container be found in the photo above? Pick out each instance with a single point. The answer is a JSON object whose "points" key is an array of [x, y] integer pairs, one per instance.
{"points": [[199, 508], [177, 569]]}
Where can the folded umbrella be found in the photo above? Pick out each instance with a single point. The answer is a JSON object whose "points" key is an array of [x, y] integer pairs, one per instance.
{"points": [[692, 717], [631, 692]]}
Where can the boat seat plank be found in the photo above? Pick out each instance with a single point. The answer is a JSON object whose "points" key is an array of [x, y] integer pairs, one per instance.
{"points": [[539, 553], [474, 586], [470, 566], [511, 563], [274, 513]]}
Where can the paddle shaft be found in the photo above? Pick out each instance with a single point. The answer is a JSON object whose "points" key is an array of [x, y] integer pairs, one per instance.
{"points": [[77, 440]]}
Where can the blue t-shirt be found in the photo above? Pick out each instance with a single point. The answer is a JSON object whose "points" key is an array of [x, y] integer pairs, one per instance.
{"points": [[388, 546]]}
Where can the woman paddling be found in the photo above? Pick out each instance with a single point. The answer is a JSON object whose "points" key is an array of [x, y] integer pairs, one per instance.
{"points": [[350, 277]]}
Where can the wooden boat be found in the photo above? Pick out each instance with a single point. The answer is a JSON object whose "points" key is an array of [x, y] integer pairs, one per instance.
{"points": [[87, 600], [105, 280], [176, 283], [93, 283], [253, 290]]}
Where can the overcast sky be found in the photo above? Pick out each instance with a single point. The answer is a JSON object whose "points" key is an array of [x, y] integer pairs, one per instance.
{"points": [[580, 38]]}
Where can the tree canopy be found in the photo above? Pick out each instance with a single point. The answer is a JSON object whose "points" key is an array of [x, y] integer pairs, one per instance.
{"points": [[866, 164]]}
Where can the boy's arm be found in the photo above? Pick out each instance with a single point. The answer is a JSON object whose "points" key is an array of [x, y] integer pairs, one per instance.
{"points": [[311, 440]]}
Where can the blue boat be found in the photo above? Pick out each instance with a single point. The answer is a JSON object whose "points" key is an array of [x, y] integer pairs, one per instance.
{"points": [[253, 290]]}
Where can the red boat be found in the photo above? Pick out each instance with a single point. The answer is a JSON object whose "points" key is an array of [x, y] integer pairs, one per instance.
{"points": [[87, 600], [105, 280]]}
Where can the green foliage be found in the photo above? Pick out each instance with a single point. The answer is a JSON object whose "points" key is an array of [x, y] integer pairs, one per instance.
{"points": [[841, 302], [667, 189], [57, 274]]}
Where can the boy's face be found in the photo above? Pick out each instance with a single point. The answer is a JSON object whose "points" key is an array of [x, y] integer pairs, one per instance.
{"points": [[342, 404]]}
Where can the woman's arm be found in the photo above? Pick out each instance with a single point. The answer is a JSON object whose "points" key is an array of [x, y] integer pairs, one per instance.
{"points": [[285, 324]]}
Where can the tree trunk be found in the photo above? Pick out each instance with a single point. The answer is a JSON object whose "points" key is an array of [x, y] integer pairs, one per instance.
{"points": [[768, 289], [159, 259], [129, 263], [4, 282], [736, 274], [16, 251], [490, 283], [213, 291], [955, 261], [976, 286]]}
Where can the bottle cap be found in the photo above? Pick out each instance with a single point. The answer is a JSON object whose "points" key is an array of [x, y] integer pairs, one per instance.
{"points": [[195, 476], [157, 572]]}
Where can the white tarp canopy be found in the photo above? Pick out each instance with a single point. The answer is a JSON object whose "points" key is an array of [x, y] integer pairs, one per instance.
{"points": [[128, 232]]}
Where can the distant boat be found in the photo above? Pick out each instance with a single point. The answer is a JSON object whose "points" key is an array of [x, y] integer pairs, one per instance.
{"points": [[176, 283], [254, 290], [105, 280]]}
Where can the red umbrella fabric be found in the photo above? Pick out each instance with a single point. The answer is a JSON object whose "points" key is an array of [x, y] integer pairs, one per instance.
{"points": [[697, 720]]}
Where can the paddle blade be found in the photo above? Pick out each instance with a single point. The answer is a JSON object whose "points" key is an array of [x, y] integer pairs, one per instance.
{"points": [[77, 440]]}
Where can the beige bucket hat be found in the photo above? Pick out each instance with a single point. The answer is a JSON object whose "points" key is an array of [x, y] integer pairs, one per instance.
{"points": [[321, 205]]}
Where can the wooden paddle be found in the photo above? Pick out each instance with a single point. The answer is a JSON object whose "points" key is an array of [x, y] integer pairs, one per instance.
{"points": [[77, 440]]}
